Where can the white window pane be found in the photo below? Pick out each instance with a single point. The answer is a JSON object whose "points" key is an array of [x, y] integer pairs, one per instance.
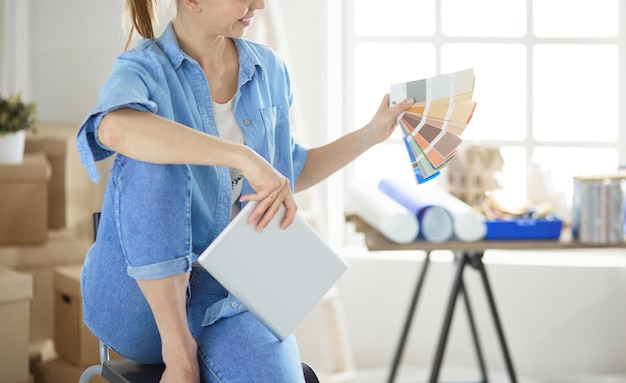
{"points": [[500, 90], [485, 18], [576, 93], [394, 17], [384, 161], [513, 185], [576, 18], [565, 163], [379, 65]]}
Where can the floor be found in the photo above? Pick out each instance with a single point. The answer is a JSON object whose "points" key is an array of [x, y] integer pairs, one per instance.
{"points": [[452, 375]]}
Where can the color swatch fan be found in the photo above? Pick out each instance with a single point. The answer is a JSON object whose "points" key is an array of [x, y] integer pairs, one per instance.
{"points": [[432, 127]]}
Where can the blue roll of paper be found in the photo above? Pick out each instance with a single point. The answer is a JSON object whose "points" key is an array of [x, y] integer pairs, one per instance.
{"points": [[467, 224], [436, 223]]}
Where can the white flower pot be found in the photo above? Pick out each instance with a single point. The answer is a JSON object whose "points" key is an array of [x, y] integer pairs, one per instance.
{"points": [[12, 147]]}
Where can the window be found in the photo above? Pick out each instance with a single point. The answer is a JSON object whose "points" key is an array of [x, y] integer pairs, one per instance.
{"points": [[548, 79]]}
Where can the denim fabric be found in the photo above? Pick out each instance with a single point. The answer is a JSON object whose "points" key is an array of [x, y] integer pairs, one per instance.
{"points": [[238, 348], [156, 219]]}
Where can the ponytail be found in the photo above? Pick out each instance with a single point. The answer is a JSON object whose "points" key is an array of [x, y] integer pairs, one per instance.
{"points": [[142, 17]]}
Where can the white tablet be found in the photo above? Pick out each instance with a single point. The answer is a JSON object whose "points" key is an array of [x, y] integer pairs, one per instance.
{"points": [[279, 275]]}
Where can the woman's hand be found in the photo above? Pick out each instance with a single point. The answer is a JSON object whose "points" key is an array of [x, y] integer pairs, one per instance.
{"points": [[272, 190], [385, 120], [325, 160]]}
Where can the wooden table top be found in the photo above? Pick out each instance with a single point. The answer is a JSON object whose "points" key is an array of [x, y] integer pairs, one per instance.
{"points": [[375, 241]]}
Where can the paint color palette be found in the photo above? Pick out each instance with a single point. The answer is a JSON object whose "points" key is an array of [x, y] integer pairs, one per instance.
{"points": [[433, 125]]}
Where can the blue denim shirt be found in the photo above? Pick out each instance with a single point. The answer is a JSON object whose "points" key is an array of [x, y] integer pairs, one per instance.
{"points": [[161, 217]]}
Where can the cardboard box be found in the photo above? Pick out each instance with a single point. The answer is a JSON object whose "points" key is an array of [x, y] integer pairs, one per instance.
{"points": [[61, 371], [63, 248], [16, 289], [72, 196], [24, 200], [73, 341], [41, 351]]}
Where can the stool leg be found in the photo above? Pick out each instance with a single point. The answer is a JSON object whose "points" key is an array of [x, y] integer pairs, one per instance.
{"points": [[90, 373]]}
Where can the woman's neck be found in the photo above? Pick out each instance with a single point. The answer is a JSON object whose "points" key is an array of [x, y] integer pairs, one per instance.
{"points": [[205, 49], [216, 55]]}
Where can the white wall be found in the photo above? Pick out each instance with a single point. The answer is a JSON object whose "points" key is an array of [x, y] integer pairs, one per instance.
{"points": [[16, 48], [74, 44]]}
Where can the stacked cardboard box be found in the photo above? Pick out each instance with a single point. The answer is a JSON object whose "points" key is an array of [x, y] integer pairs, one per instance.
{"points": [[76, 346], [16, 290], [47, 203], [51, 200], [72, 197], [61, 371], [24, 201], [61, 249], [73, 340]]}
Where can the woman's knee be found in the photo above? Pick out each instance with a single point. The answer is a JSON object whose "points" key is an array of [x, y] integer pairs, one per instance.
{"points": [[240, 349]]}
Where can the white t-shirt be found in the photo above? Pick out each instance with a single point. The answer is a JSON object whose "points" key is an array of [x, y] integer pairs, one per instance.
{"points": [[228, 129]]}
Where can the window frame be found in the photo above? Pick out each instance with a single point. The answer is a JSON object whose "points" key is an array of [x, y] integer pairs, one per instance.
{"points": [[342, 53]]}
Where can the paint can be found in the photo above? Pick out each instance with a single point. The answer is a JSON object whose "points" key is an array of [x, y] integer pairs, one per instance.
{"points": [[598, 210]]}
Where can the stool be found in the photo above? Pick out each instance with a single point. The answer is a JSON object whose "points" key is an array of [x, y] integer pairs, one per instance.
{"points": [[127, 371]]}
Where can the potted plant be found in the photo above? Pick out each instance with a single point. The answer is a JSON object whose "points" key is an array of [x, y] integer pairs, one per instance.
{"points": [[16, 118]]}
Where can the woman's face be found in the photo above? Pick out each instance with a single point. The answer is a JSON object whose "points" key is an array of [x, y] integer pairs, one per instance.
{"points": [[230, 18]]}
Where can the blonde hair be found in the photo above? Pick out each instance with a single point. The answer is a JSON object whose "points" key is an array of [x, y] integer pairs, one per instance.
{"points": [[142, 17]]}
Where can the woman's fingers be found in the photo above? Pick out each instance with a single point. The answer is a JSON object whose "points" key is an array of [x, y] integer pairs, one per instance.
{"points": [[269, 206], [271, 190], [290, 210]]}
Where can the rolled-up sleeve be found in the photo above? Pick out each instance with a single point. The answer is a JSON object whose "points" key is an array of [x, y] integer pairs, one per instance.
{"points": [[299, 155], [125, 88]]}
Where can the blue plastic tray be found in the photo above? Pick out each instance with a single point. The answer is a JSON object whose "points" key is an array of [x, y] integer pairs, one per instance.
{"points": [[524, 228]]}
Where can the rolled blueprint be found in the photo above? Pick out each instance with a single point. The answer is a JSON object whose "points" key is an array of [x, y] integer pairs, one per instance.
{"points": [[381, 212], [436, 223], [468, 225]]}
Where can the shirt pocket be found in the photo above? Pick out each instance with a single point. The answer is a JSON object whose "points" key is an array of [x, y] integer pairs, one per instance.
{"points": [[269, 122]]}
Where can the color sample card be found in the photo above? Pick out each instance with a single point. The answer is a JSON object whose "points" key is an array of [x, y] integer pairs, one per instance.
{"points": [[432, 127]]}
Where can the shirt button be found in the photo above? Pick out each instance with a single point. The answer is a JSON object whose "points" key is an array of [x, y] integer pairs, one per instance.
{"points": [[233, 305], [246, 122]]}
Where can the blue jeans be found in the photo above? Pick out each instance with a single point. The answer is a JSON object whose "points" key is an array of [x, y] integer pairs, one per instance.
{"points": [[146, 231], [233, 349]]}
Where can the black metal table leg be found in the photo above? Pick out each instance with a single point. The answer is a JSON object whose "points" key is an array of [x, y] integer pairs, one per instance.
{"points": [[441, 347], [478, 264], [409, 319], [472, 323], [463, 259]]}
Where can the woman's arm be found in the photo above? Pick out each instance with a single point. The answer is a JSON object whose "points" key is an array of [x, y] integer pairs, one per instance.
{"points": [[325, 160], [167, 299], [149, 137]]}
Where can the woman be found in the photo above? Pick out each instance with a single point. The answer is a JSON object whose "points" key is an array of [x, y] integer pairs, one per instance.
{"points": [[199, 119]]}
